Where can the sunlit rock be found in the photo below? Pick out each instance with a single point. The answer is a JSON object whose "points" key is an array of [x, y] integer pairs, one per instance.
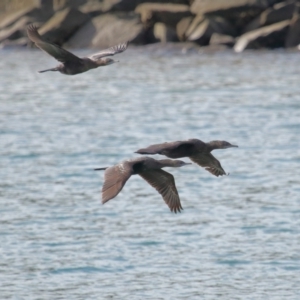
{"points": [[209, 26], [182, 27], [169, 14], [62, 25], [272, 36], [164, 33], [107, 30]]}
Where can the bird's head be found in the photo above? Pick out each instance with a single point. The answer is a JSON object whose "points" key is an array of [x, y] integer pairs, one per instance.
{"points": [[221, 145], [180, 163], [109, 61], [174, 163]]}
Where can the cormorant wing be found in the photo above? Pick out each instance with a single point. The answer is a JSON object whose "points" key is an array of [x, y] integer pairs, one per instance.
{"points": [[55, 51], [209, 162], [109, 52], [164, 183], [171, 149], [115, 178]]}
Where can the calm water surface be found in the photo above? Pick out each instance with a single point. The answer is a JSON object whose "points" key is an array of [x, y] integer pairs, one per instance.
{"points": [[238, 236]]}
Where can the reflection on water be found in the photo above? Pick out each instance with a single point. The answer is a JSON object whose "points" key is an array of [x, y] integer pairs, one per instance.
{"points": [[238, 236]]}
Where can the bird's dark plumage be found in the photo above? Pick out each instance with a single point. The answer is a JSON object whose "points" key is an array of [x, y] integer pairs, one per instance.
{"points": [[196, 150], [70, 63], [150, 170]]}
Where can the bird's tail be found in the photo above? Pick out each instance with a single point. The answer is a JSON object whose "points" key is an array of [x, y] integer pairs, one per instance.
{"points": [[100, 169], [53, 69]]}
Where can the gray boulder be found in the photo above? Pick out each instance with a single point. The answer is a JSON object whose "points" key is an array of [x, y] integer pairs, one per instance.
{"points": [[9, 19], [16, 31], [203, 32], [221, 39], [35, 13], [61, 4], [197, 20], [272, 36], [93, 9], [164, 34], [8, 7], [224, 6], [169, 14], [62, 25], [108, 30], [182, 26]]}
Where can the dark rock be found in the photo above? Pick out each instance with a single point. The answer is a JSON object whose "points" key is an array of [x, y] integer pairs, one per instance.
{"points": [[164, 33], [108, 30], [280, 12], [44, 4], [238, 12], [182, 27], [293, 35], [272, 36], [169, 14], [61, 4], [254, 24], [203, 32], [221, 39], [62, 25]]}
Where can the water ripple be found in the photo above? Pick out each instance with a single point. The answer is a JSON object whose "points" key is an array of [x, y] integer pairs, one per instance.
{"points": [[237, 237]]}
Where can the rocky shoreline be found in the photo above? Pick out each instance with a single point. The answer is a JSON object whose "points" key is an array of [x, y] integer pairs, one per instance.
{"points": [[236, 24]]}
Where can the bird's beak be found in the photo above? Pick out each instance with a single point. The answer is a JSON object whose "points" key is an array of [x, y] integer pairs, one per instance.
{"points": [[236, 146], [100, 169]]}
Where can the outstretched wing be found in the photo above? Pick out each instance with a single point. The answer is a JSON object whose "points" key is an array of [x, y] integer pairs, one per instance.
{"points": [[172, 149], [164, 183], [109, 52], [115, 178], [209, 162], [55, 51]]}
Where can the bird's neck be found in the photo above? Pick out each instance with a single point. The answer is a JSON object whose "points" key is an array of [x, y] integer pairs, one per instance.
{"points": [[167, 163], [213, 145], [99, 63]]}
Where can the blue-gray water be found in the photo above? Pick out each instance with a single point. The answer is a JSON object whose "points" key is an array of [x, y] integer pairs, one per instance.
{"points": [[238, 236]]}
